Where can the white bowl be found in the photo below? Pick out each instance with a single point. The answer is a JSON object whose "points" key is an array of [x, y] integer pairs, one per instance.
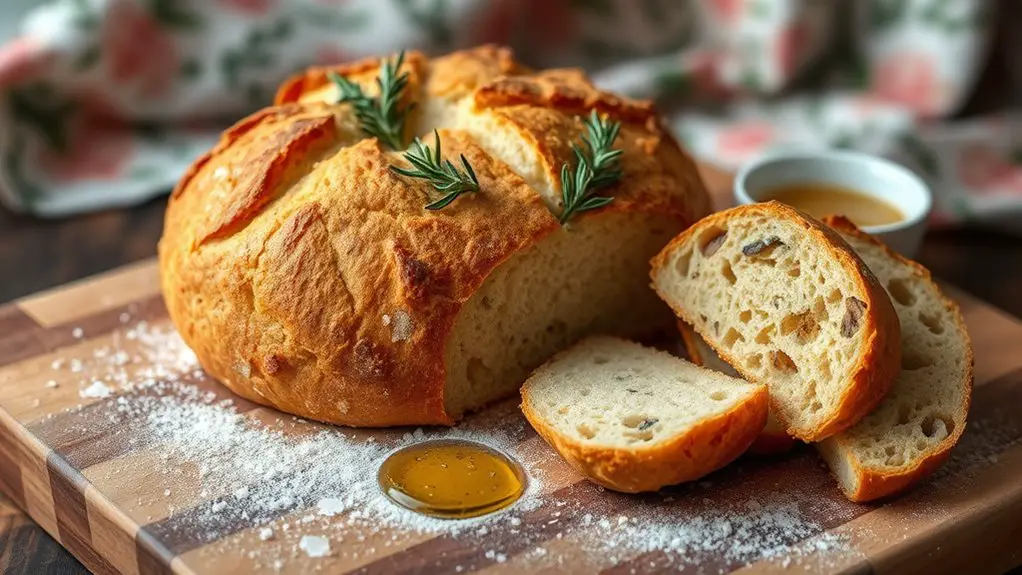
{"points": [[867, 174]]}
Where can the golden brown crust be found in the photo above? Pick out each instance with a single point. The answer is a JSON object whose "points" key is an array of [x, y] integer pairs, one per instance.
{"points": [[567, 90], [459, 74], [874, 374], [711, 444], [362, 72], [772, 439], [873, 483], [307, 276]]}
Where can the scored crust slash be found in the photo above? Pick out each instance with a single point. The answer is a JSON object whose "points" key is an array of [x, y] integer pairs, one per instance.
{"points": [[401, 241]]}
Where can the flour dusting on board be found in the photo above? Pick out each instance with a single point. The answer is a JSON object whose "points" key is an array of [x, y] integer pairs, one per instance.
{"points": [[309, 492]]}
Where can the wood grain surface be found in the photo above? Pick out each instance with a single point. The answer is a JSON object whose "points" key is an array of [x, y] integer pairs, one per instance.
{"points": [[65, 477]]}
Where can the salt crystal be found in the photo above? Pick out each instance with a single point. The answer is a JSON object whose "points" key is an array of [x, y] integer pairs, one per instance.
{"points": [[314, 545], [516, 521], [57, 363], [331, 506], [501, 557], [490, 554], [121, 358], [77, 333], [265, 534], [166, 493], [51, 384], [125, 317], [97, 390], [219, 506], [241, 492], [75, 365]]}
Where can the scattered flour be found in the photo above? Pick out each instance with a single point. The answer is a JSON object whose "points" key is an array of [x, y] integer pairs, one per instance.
{"points": [[331, 506], [97, 389], [314, 545], [401, 324], [287, 478]]}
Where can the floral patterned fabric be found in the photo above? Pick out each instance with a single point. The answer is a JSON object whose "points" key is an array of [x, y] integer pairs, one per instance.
{"points": [[106, 102]]}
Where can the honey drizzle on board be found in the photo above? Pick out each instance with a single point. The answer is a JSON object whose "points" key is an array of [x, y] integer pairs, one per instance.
{"points": [[821, 199], [451, 479]]}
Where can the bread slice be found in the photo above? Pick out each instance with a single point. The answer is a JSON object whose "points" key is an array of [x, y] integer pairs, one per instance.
{"points": [[773, 439], [634, 419], [913, 430], [786, 301]]}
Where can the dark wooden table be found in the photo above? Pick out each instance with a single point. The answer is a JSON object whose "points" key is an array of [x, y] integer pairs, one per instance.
{"points": [[36, 255]]}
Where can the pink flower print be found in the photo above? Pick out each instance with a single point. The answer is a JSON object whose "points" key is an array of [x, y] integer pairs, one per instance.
{"points": [[98, 149], [329, 54], [987, 171], [740, 142], [790, 47], [910, 79], [249, 7], [704, 69], [20, 59], [138, 52], [99, 143], [727, 11]]}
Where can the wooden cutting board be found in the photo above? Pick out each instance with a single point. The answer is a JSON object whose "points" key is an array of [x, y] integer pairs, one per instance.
{"points": [[104, 474]]}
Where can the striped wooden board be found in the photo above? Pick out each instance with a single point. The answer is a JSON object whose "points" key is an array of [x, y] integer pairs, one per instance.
{"points": [[83, 467]]}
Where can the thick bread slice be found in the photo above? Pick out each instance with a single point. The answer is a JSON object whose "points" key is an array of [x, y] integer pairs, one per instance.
{"points": [[787, 302], [773, 439], [634, 419], [913, 430]]}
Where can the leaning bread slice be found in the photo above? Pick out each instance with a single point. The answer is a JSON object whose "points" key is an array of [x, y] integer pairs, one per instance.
{"points": [[913, 430], [773, 439], [786, 301], [633, 419]]}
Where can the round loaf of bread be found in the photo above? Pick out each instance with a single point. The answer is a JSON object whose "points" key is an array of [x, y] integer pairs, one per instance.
{"points": [[308, 276]]}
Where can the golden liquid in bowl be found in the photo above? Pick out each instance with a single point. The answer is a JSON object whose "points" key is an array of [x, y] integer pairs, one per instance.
{"points": [[451, 479], [819, 200]]}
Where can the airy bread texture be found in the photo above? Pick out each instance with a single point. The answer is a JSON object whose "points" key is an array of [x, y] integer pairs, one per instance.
{"points": [[634, 419], [912, 431], [786, 302], [308, 276], [773, 439]]}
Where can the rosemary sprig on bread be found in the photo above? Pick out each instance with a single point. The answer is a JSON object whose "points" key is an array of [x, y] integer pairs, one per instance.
{"points": [[441, 174], [380, 117], [598, 165]]}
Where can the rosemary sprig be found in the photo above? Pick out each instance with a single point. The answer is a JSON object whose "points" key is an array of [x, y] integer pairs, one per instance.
{"points": [[380, 116], [441, 173], [599, 165]]}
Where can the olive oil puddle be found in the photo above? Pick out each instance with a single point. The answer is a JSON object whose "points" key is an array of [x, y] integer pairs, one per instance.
{"points": [[451, 479]]}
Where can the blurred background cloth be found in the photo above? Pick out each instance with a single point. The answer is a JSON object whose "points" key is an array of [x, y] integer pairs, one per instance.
{"points": [[106, 102]]}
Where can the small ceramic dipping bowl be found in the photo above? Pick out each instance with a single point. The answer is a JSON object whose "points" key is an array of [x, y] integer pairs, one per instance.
{"points": [[868, 175]]}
